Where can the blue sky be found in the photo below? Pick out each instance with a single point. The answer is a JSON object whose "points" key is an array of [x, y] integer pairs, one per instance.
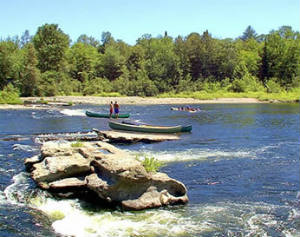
{"points": [[130, 19]]}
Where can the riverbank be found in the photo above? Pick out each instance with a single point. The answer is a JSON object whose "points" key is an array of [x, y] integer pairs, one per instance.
{"points": [[134, 100]]}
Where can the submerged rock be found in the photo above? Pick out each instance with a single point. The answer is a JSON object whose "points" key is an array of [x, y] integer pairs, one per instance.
{"points": [[105, 171]]}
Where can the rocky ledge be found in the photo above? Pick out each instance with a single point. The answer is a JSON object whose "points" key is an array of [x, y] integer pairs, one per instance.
{"points": [[134, 137], [102, 172]]}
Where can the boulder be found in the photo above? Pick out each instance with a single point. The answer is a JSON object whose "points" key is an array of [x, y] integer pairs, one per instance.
{"points": [[29, 162], [59, 167], [153, 198], [105, 171]]}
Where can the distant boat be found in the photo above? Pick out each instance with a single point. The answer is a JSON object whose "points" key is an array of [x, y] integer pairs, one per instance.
{"points": [[186, 109], [148, 128], [99, 115]]}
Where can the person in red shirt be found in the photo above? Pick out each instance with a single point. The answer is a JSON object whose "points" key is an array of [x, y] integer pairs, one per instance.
{"points": [[111, 109]]}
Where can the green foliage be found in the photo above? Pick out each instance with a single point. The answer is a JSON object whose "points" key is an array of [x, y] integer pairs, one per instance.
{"points": [[111, 63], [248, 83], [42, 101], [10, 63], [77, 144], [185, 84], [51, 44], [57, 215], [30, 76], [151, 164], [88, 40], [48, 85], [96, 86], [273, 86], [161, 62], [249, 34], [295, 83], [121, 85], [83, 59], [10, 95], [67, 85], [248, 58], [210, 87], [283, 96], [282, 56], [197, 65]]}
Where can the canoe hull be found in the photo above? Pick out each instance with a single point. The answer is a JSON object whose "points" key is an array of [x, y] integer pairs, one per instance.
{"points": [[149, 128], [98, 115]]}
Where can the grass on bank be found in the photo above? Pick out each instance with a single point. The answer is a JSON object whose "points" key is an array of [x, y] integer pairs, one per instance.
{"points": [[248, 87], [291, 96], [282, 96]]}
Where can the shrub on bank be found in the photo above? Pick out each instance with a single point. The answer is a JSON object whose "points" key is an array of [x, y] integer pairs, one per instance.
{"points": [[273, 86], [10, 95]]}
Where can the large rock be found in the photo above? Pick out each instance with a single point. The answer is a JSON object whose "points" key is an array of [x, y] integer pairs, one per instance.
{"points": [[110, 173], [58, 167]]}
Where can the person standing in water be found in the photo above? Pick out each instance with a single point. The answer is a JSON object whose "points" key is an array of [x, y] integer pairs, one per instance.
{"points": [[111, 109], [117, 108]]}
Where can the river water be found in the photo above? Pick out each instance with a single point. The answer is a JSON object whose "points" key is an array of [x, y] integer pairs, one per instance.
{"points": [[240, 165]]}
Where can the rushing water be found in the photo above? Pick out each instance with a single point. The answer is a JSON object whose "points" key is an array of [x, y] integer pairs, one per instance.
{"points": [[240, 165]]}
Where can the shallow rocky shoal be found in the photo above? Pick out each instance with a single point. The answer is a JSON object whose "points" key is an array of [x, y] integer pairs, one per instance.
{"points": [[102, 170]]}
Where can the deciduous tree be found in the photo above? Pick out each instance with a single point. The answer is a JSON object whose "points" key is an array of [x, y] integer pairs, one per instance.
{"points": [[51, 44]]}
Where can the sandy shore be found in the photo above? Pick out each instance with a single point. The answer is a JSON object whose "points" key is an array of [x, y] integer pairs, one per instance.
{"points": [[127, 100]]}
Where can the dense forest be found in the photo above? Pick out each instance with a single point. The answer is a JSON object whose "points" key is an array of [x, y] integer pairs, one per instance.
{"points": [[48, 64]]}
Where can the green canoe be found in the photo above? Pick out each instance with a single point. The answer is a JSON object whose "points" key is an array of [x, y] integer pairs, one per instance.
{"points": [[98, 115], [149, 128]]}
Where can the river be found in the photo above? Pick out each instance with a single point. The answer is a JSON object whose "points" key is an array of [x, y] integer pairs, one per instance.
{"points": [[240, 165]]}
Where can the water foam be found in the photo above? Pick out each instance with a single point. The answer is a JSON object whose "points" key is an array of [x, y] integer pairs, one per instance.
{"points": [[209, 154], [253, 219], [22, 147], [16, 192], [73, 112], [78, 222], [191, 154], [71, 218]]}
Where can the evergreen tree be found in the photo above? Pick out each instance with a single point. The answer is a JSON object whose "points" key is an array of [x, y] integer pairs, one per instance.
{"points": [[25, 38], [249, 33], [30, 78], [264, 67]]}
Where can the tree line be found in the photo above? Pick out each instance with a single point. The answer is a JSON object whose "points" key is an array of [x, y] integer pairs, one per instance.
{"points": [[48, 64]]}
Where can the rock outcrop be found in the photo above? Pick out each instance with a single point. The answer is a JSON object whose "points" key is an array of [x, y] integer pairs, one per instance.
{"points": [[101, 169], [134, 137], [109, 135]]}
